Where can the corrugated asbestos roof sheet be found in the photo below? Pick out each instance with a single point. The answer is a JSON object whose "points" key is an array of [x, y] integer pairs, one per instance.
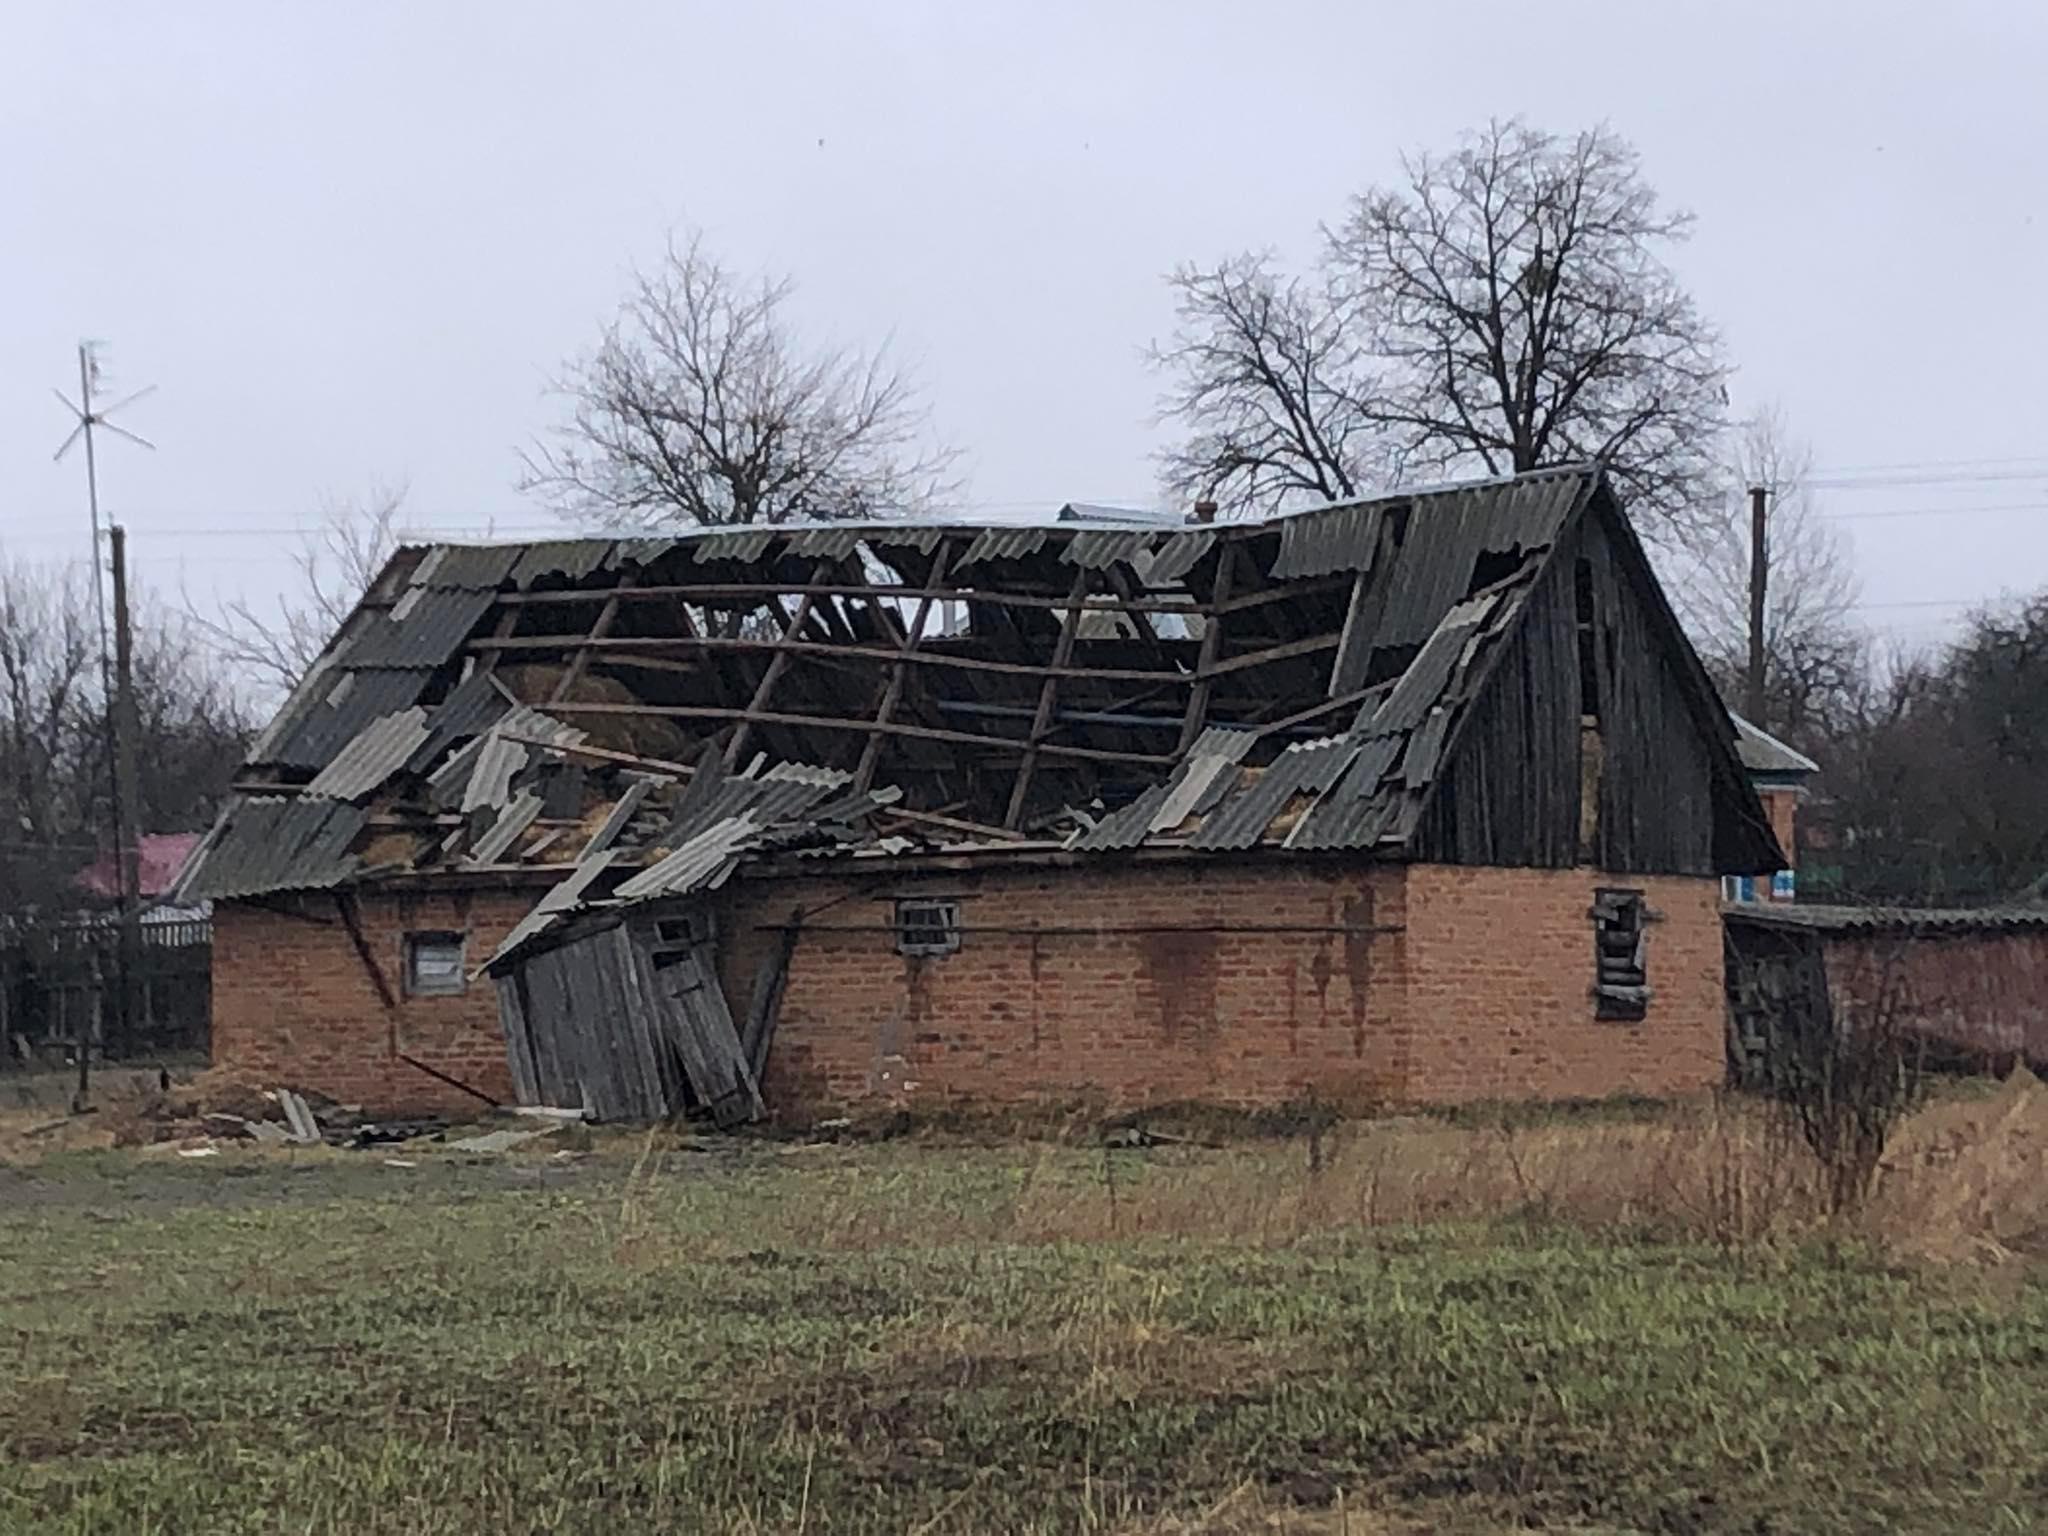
{"points": [[1174, 556], [825, 543], [726, 821], [627, 552], [1328, 540], [423, 629], [571, 559], [328, 722], [561, 898], [477, 567], [1006, 544], [490, 774], [1241, 821], [505, 831], [472, 707], [1355, 810], [1197, 782], [376, 753], [1099, 549], [270, 844], [733, 544], [1343, 792]]}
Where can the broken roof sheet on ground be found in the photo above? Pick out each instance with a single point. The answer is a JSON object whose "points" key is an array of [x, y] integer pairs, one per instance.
{"points": [[1289, 683]]}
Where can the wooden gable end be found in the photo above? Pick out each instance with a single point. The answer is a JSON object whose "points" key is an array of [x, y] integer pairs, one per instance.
{"points": [[1597, 738]]}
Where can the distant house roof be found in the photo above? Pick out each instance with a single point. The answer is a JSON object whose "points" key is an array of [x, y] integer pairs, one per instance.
{"points": [[1765, 756], [640, 714], [1095, 512], [160, 856]]}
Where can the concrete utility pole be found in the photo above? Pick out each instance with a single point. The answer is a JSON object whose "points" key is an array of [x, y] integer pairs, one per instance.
{"points": [[1759, 575]]}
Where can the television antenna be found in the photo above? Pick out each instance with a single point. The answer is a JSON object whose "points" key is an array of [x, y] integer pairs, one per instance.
{"points": [[89, 416]]}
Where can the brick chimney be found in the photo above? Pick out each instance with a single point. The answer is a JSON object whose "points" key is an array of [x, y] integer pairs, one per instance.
{"points": [[1205, 512]]}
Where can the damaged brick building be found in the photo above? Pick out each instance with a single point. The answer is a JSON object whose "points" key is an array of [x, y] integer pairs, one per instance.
{"points": [[1415, 799]]}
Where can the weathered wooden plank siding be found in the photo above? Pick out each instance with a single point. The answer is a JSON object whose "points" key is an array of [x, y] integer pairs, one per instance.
{"points": [[1510, 793], [1656, 775], [1590, 644]]}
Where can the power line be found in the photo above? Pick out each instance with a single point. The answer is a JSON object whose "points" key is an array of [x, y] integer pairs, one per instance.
{"points": [[1904, 512], [1839, 470], [1904, 481]]}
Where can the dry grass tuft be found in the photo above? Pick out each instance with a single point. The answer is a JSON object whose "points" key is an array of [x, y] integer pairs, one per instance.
{"points": [[1967, 1180]]}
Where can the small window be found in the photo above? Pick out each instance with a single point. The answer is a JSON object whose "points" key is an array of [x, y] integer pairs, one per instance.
{"points": [[1621, 982], [927, 927], [433, 964]]}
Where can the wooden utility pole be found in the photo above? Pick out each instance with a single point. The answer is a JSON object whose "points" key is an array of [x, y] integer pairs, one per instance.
{"points": [[1759, 572], [127, 796]]}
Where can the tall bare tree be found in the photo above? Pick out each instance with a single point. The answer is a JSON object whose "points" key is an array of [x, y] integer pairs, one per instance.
{"points": [[1504, 307], [1816, 657], [1269, 378], [335, 564], [699, 405]]}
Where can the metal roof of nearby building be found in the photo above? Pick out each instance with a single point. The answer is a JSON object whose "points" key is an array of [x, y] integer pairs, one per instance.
{"points": [[1878, 919]]}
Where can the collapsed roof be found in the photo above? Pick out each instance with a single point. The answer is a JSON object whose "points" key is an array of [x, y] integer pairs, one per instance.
{"points": [[641, 714]]}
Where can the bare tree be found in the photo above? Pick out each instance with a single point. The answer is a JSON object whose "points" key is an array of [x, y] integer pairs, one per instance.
{"points": [[1846, 1063], [49, 669], [53, 767], [1506, 307], [700, 406], [1816, 657], [1264, 372], [335, 564]]}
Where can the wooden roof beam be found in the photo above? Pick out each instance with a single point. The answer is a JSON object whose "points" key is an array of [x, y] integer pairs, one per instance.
{"points": [[864, 725], [1062, 652]]}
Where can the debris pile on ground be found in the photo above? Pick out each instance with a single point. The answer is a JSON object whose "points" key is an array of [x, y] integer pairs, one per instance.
{"points": [[221, 1107], [227, 1105]]}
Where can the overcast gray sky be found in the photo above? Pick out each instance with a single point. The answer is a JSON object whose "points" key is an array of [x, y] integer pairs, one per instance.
{"points": [[350, 242]]}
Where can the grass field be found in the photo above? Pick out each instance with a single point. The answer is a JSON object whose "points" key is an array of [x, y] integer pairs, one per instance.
{"points": [[1422, 1326]]}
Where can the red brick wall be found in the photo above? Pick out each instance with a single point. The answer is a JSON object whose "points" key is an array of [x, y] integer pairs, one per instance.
{"points": [[1105, 1001], [1782, 806], [1500, 966], [1983, 993], [293, 1005], [1113, 983]]}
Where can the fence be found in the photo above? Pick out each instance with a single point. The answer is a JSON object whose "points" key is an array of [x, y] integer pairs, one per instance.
{"points": [[59, 974]]}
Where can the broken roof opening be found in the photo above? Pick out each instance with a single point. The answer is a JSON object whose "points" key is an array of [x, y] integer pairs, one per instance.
{"points": [[1287, 683]]}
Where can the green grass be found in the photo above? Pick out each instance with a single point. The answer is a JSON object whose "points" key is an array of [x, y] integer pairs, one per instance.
{"points": [[905, 1337]]}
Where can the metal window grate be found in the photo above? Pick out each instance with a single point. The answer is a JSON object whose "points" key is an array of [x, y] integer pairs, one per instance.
{"points": [[927, 927], [433, 964], [1621, 983]]}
